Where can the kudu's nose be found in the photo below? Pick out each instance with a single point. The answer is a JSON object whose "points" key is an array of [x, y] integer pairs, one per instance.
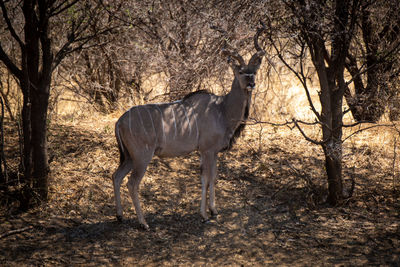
{"points": [[251, 85]]}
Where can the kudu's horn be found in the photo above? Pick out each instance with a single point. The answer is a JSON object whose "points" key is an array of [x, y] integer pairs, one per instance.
{"points": [[260, 30], [260, 52]]}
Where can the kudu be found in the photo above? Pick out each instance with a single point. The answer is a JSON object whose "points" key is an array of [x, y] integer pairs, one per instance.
{"points": [[200, 121]]}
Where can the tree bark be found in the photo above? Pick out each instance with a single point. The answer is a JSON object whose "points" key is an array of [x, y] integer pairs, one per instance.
{"points": [[26, 158], [331, 100], [333, 165], [40, 102]]}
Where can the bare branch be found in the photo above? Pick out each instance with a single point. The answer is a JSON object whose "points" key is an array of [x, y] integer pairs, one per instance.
{"points": [[9, 25], [254, 121], [228, 50], [286, 123], [61, 8], [260, 30], [366, 128], [395, 49], [219, 29], [16, 231], [3, 55], [66, 49], [300, 76], [308, 138], [10, 65]]}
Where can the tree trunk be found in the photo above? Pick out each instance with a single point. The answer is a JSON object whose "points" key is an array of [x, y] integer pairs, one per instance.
{"points": [[332, 148], [40, 102], [333, 165], [26, 158], [27, 132], [331, 98]]}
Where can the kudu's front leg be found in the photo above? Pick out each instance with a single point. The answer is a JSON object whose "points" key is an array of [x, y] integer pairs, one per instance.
{"points": [[208, 174], [213, 175]]}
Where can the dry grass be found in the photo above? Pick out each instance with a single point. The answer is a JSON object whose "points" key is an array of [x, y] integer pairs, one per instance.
{"points": [[270, 195], [270, 212]]}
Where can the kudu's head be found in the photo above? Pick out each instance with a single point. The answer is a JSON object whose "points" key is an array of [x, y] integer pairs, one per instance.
{"points": [[246, 73]]}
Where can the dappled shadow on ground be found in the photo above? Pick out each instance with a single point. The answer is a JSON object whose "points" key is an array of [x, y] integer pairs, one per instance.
{"points": [[270, 201]]}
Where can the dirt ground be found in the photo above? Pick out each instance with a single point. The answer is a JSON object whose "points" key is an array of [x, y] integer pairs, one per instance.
{"points": [[270, 196]]}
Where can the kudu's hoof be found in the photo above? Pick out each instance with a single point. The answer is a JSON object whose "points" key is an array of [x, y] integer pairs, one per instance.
{"points": [[214, 213], [206, 221], [144, 226]]}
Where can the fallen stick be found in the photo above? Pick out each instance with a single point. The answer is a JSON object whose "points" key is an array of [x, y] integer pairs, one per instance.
{"points": [[16, 231]]}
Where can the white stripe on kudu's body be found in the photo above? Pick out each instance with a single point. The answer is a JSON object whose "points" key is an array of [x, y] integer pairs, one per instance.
{"points": [[162, 122], [151, 118], [187, 119], [141, 120], [197, 126], [175, 128], [200, 121]]}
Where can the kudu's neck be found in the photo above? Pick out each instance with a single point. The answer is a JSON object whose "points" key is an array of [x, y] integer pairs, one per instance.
{"points": [[235, 103]]}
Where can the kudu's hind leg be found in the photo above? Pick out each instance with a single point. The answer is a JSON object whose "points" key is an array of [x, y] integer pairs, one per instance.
{"points": [[139, 168], [118, 176], [208, 174]]}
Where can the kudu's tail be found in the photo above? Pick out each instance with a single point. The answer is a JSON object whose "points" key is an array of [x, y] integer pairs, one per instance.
{"points": [[121, 146]]}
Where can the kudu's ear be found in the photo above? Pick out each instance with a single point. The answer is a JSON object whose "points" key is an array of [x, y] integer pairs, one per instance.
{"points": [[234, 55], [256, 59], [236, 68]]}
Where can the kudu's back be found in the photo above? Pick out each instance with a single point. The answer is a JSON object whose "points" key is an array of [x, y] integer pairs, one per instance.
{"points": [[172, 129]]}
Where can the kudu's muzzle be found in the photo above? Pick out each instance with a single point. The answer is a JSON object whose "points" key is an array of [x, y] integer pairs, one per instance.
{"points": [[251, 86]]}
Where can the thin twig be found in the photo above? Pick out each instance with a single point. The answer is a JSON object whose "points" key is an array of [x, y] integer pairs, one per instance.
{"points": [[315, 142], [3, 163], [282, 188], [294, 122], [254, 121], [16, 231], [300, 174], [394, 166], [366, 128]]}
